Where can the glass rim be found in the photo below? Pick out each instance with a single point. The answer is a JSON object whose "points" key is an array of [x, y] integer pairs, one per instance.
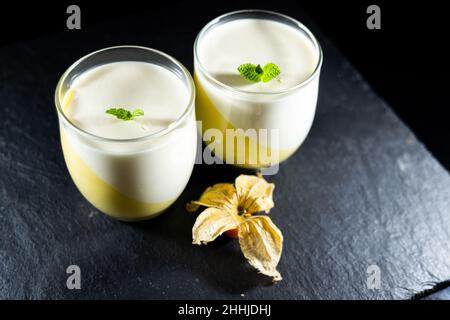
{"points": [[176, 123], [297, 23]]}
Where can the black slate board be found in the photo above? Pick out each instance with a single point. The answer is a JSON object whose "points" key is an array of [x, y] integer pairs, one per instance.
{"points": [[361, 190]]}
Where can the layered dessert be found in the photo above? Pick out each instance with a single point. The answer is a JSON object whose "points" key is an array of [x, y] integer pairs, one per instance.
{"points": [[133, 165], [284, 106]]}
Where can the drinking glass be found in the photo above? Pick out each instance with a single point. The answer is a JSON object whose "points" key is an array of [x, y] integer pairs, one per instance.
{"points": [[129, 179], [285, 115]]}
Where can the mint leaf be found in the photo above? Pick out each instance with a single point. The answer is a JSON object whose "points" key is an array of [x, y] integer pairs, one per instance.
{"points": [[259, 70], [271, 71], [256, 73], [124, 114], [250, 72], [137, 113]]}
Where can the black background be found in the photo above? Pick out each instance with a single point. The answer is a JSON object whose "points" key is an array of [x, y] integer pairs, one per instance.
{"points": [[406, 62], [379, 197]]}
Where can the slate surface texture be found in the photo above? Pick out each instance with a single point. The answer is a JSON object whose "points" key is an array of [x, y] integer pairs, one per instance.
{"points": [[361, 190]]}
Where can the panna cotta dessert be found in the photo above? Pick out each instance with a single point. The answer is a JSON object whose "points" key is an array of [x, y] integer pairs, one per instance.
{"points": [[233, 54], [128, 130]]}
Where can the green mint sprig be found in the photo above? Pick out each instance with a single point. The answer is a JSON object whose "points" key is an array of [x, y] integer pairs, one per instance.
{"points": [[256, 73], [124, 114]]}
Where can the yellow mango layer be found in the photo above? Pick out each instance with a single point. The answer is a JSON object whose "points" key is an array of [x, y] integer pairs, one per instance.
{"points": [[102, 195]]}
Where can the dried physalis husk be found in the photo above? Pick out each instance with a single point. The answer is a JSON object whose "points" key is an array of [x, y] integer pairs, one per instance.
{"points": [[254, 193], [231, 207], [261, 243], [220, 195]]}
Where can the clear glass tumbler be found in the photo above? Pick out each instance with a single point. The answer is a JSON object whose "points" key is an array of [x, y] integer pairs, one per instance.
{"points": [[129, 179]]}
